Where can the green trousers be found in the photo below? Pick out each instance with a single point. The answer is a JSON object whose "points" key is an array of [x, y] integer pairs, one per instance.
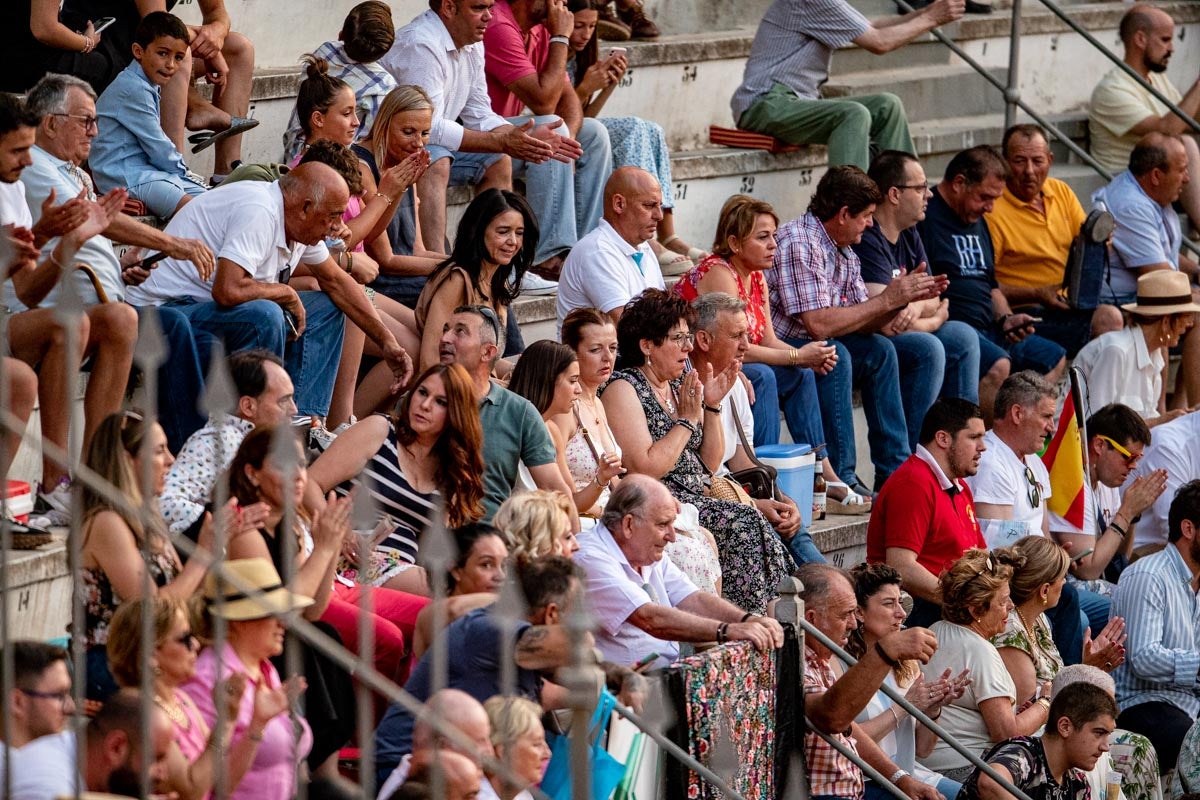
{"points": [[847, 125]]}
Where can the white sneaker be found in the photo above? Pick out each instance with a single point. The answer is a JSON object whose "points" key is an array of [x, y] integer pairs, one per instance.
{"points": [[532, 284], [55, 505]]}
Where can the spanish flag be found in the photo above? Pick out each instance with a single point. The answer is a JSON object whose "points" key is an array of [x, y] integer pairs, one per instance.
{"points": [[1064, 458]]}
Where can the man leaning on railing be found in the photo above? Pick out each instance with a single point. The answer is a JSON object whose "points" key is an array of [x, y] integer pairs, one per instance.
{"points": [[833, 696]]}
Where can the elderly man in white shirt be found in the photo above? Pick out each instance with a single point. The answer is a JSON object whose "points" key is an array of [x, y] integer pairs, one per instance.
{"points": [[643, 603], [260, 233], [441, 51], [614, 263]]}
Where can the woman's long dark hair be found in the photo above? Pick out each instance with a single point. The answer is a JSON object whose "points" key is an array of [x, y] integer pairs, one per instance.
{"points": [[536, 374], [459, 449], [590, 53], [470, 250]]}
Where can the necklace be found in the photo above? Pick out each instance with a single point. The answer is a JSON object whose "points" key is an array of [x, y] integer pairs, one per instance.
{"points": [[663, 396], [173, 712], [1025, 623], [591, 406]]}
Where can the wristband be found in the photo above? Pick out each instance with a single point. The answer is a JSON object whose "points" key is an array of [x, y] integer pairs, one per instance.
{"points": [[255, 737], [747, 616], [1118, 529], [560, 40], [712, 409], [721, 632], [349, 261], [891, 662], [687, 423]]}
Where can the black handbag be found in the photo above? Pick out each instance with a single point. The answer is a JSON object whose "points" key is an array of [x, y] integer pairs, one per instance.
{"points": [[1086, 270], [759, 480]]}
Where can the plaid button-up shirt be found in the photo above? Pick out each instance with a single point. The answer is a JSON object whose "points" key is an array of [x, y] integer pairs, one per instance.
{"points": [[810, 272], [829, 772]]}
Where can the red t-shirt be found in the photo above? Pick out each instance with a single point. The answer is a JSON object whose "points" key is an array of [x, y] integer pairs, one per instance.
{"points": [[914, 512], [508, 56]]}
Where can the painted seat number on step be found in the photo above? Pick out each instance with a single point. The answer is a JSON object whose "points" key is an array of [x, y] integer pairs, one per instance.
{"points": [[806, 177], [681, 191], [689, 73], [747, 184], [626, 79]]}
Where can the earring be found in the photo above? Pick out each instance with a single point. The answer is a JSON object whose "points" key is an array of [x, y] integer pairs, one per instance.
{"points": [[157, 670]]}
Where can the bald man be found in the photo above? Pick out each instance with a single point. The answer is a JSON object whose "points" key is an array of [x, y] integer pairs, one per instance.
{"points": [[614, 263], [262, 234], [461, 777], [1121, 111], [457, 709]]}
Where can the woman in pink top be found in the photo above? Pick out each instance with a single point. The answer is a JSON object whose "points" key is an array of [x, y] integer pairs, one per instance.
{"points": [[197, 748], [255, 635]]}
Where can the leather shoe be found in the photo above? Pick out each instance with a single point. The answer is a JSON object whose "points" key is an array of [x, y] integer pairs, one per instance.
{"points": [[608, 27], [635, 18]]}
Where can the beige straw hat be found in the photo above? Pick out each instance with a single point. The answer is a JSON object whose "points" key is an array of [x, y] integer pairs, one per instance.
{"points": [[259, 573], [1162, 292]]}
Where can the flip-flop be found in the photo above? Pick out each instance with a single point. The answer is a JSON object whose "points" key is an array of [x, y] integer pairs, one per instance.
{"points": [[206, 139]]}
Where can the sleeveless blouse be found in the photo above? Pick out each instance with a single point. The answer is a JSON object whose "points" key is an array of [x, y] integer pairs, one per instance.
{"points": [[754, 296], [581, 461], [471, 296], [100, 601]]}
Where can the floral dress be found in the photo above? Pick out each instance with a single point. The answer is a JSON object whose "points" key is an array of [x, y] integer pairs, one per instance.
{"points": [[754, 296], [753, 559], [100, 601], [1132, 753]]}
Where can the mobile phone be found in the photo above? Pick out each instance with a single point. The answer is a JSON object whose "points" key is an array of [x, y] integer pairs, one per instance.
{"points": [[1083, 555], [290, 319], [149, 262], [645, 662], [102, 23], [615, 51], [1031, 321]]}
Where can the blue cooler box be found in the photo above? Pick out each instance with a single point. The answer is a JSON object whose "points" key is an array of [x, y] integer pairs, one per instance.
{"points": [[797, 466]]}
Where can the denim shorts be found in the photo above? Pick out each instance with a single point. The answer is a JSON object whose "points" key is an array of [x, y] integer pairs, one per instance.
{"points": [[162, 194], [1033, 352], [466, 169]]}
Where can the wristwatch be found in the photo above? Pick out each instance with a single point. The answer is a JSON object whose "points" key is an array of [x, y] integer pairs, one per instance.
{"points": [[898, 774]]}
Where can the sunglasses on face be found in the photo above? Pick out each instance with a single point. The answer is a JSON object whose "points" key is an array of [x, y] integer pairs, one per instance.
{"points": [[1130, 458]]}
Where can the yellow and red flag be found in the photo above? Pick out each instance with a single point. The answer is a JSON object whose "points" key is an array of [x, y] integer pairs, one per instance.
{"points": [[1064, 458]]}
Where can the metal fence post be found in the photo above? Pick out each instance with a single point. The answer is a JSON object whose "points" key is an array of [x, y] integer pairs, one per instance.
{"points": [[1012, 93]]}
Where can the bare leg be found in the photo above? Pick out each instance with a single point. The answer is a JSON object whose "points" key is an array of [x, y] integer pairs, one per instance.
{"points": [[174, 104], [234, 98], [497, 176], [667, 236], [431, 189], [412, 581], [342, 402], [22, 384], [114, 333], [38, 340], [375, 389], [1055, 375], [989, 384]]}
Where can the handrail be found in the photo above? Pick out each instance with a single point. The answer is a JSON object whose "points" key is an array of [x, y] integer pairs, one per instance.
{"points": [[1014, 98], [917, 714]]}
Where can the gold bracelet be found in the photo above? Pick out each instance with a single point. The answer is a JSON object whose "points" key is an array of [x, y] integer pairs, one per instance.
{"points": [[349, 261], [793, 357], [386, 199]]}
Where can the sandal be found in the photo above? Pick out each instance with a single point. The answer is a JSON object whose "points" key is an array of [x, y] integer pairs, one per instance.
{"points": [[205, 139], [694, 254], [672, 263], [853, 504]]}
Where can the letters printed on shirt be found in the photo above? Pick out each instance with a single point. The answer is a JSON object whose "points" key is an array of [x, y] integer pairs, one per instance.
{"points": [[971, 257]]}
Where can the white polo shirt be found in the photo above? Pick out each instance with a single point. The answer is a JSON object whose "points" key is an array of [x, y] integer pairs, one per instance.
{"points": [[241, 222], [602, 272], [1001, 480], [615, 590]]}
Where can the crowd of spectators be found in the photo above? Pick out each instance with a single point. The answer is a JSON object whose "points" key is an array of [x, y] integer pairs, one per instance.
{"points": [[396, 464]]}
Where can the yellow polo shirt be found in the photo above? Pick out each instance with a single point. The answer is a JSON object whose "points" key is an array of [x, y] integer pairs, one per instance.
{"points": [[1031, 247]]}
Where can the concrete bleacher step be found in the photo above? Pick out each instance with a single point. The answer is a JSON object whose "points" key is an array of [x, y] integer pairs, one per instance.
{"points": [[930, 91]]}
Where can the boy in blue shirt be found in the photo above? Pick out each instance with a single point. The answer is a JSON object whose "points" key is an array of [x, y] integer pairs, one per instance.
{"points": [[131, 150]]}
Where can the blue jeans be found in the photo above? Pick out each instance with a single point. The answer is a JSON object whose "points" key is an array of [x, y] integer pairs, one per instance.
{"points": [[922, 362], [568, 199], [961, 344], [180, 379], [1066, 625], [766, 403], [948, 788], [311, 361], [803, 549], [869, 362]]}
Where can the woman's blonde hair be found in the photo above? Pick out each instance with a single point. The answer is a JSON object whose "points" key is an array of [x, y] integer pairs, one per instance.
{"points": [[511, 718], [532, 522], [124, 646], [972, 582], [1045, 562], [737, 219], [111, 454], [402, 98]]}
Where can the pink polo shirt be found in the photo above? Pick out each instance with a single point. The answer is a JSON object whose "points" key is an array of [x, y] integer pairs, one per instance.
{"points": [[510, 55]]}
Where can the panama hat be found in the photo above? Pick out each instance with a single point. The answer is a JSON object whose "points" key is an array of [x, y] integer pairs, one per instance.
{"points": [[259, 573], [1162, 292]]}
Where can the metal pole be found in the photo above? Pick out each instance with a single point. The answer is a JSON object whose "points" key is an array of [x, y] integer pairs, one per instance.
{"points": [[1012, 93], [867, 769]]}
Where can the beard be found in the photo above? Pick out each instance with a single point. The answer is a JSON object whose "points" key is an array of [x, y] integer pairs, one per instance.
{"points": [[1157, 66], [125, 781]]}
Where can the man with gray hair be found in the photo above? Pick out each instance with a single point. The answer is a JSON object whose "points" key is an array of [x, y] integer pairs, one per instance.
{"points": [[721, 339], [66, 110], [644, 605]]}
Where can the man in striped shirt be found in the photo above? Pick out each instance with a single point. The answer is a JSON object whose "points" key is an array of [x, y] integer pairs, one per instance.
{"points": [[1158, 687], [780, 93]]}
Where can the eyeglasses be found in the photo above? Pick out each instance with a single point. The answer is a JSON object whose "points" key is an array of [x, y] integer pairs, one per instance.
{"points": [[921, 187], [1130, 458], [682, 338], [1035, 489], [63, 697], [89, 123]]}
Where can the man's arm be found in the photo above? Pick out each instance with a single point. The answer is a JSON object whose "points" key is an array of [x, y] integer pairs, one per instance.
{"points": [[889, 34], [1169, 123], [233, 285], [989, 789], [677, 625], [1141, 599], [544, 647], [541, 90], [917, 580], [875, 757], [128, 230], [833, 321]]}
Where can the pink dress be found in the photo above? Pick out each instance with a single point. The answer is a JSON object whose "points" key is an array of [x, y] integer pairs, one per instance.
{"points": [[753, 295], [285, 743]]}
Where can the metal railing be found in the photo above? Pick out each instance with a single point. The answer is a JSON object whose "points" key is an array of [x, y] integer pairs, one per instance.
{"points": [[1011, 89], [580, 677]]}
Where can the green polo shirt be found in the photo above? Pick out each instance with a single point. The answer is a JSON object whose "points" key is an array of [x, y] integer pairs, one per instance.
{"points": [[513, 432]]}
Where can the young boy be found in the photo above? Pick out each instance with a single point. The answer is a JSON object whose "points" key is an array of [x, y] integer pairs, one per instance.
{"points": [[1052, 766], [131, 150]]}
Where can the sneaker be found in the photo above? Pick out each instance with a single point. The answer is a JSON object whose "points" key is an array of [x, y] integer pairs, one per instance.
{"points": [[196, 178], [320, 437], [608, 27], [535, 285], [55, 505]]}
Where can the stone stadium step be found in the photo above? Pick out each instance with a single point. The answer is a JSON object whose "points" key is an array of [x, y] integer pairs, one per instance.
{"points": [[931, 91]]}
